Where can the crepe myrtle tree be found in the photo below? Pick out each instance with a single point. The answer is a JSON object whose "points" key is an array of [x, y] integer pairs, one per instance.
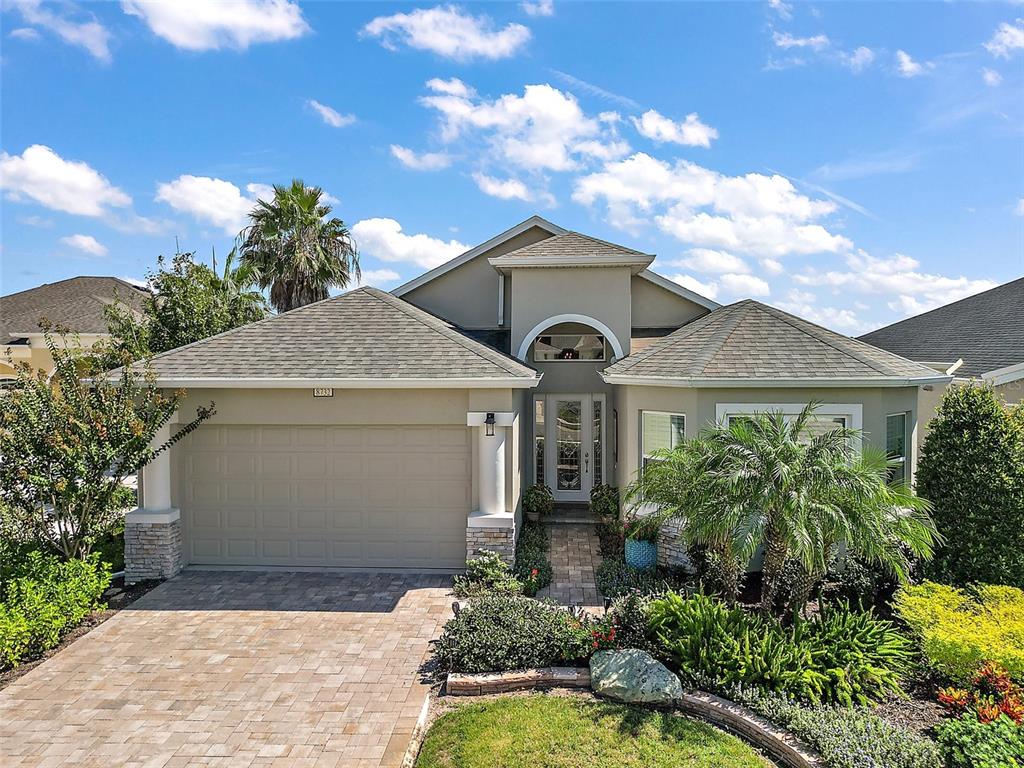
{"points": [[67, 443], [766, 480]]}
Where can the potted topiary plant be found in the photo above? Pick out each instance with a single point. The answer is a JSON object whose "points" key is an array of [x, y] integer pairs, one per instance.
{"points": [[537, 501], [642, 541]]}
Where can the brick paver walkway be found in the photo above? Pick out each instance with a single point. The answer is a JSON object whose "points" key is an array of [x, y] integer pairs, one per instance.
{"points": [[236, 669], [575, 554]]}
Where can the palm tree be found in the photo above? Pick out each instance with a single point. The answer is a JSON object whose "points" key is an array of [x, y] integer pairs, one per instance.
{"points": [[765, 481], [296, 248], [235, 284]]}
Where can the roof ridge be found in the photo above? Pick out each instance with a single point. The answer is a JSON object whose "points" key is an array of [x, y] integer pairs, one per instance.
{"points": [[732, 322], [606, 242], [435, 323]]}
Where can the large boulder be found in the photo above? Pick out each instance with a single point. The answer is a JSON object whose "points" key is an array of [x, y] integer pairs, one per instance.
{"points": [[633, 676]]}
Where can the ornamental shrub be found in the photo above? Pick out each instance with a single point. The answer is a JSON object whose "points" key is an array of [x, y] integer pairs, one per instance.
{"points": [[46, 600], [972, 470], [960, 629], [497, 633], [968, 743], [845, 737], [604, 502], [533, 567], [843, 656], [486, 574], [614, 578], [538, 500]]}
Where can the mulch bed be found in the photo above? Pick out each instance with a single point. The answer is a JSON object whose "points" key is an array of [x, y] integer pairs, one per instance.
{"points": [[117, 597]]}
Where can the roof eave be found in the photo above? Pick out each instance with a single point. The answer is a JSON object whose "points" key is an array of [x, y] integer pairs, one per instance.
{"points": [[692, 381], [510, 382], [670, 285], [636, 264], [1005, 375]]}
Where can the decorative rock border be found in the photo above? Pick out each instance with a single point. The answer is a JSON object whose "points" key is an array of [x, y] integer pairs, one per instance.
{"points": [[763, 734], [517, 680]]}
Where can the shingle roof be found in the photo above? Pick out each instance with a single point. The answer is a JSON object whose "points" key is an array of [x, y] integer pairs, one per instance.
{"points": [[570, 245], [76, 303], [363, 334], [985, 330], [750, 340]]}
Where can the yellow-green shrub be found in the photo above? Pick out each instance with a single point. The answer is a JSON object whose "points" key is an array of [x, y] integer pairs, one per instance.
{"points": [[960, 629]]}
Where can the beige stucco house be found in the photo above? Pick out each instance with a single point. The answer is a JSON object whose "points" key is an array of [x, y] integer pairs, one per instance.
{"points": [[397, 431], [76, 304]]}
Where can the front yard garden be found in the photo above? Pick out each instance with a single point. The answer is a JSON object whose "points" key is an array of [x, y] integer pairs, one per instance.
{"points": [[575, 732]]}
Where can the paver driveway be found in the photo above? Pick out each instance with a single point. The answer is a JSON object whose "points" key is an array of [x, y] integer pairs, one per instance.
{"points": [[236, 669]]}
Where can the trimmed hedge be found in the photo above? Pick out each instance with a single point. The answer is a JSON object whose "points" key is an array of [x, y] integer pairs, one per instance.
{"points": [[46, 599], [533, 568]]}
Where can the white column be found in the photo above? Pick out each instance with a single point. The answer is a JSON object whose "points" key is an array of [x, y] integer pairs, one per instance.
{"points": [[491, 470], [156, 476]]}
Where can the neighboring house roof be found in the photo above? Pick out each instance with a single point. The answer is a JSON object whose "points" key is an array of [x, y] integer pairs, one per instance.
{"points": [[365, 337], [986, 331], [76, 303], [572, 249], [752, 343]]}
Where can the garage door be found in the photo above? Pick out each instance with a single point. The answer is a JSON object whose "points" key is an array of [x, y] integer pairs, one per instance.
{"points": [[360, 497]]}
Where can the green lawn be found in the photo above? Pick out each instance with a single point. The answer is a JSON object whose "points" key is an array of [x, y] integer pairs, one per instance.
{"points": [[572, 732]]}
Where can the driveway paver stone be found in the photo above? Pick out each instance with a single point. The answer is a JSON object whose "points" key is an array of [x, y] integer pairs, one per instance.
{"points": [[236, 669]]}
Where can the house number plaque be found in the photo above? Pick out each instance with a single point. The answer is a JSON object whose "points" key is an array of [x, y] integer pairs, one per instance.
{"points": [[323, 392]]}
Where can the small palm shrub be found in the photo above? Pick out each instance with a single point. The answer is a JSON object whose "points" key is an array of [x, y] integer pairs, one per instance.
{"points": [[46, 600], [497, 633], [533, 566], [486, 574], [966, 742], [959, 629], [845, 656]]}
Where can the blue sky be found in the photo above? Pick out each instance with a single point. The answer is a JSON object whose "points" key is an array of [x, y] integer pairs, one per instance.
{"points": [[850, 162]]}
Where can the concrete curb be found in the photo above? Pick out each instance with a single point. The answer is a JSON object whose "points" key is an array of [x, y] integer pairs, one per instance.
{"points": [[517, 680], [419, 732]]}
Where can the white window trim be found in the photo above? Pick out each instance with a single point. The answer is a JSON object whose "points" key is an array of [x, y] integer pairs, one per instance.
{"points": [[543, 325], [853, 411], [643, 455], [907, 441]]}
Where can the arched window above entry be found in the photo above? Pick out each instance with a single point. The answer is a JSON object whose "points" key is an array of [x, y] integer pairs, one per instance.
{"points": [[601, 329]]}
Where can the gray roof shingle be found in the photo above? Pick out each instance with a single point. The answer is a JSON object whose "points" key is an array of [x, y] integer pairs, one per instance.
{"points": [[751, 340], [363, 334], [985, 330], [571, 245], [76, 303]]}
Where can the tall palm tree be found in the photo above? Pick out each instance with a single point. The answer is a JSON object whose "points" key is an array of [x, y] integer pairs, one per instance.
{"points": [[765, 481], [235, 284], [296, 248]]}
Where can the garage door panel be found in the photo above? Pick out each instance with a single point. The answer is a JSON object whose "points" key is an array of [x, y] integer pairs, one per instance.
{"points": [[327, 496]]}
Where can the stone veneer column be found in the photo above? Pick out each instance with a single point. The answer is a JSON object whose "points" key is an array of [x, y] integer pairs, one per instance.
{"points": [[152, 532], [491, 526]]}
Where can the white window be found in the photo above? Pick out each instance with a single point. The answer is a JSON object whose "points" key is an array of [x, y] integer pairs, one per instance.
{"points": [[896, 445], [828, 416], [660, 430], [575, 346]]}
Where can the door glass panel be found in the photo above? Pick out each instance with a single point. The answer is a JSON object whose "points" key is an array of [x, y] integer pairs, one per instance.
{"points": [[568, 436], [538, 440], [598, 468]]}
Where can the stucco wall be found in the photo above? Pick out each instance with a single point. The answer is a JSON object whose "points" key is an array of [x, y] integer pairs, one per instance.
{"points": [[468, 294], [655, 307], [1012, 393]]}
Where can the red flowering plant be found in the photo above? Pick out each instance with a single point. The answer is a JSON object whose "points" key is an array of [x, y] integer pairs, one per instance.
{"points": [[994, 693]]}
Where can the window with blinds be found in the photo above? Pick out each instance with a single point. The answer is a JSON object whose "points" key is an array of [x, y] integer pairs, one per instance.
{"points": [[660, 430]]}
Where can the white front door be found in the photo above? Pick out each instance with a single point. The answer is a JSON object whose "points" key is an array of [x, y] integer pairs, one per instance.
{"points": [[573, 431]]}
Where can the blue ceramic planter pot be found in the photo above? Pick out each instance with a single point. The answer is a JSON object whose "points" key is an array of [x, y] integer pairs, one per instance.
{"points": [[642, 555]]}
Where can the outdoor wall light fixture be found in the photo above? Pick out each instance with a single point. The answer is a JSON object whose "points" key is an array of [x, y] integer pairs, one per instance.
{"points": [[489, 423]]}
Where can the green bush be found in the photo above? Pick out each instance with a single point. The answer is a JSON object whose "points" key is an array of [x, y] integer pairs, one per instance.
{"points": [[628, 615], [845, 737], [843, 656], [968, 743], [972, 470], [604, 502], [501, 632], [47, 598], [533, 568], [486, 574], [614, 578], [538, 500], [961, 629]]}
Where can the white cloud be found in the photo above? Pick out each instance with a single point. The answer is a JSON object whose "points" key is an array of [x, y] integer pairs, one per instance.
{"points": [[910, 290], [420, 161], [991, 77], [772, 266], [754, 214], [86, 244], [1007, 39], [70, 186], [859, 60], [596, 90], [802, 304], [785, 10], [201, 25], [384, 239], [506, 189], [744, 285], [708, 290], [711, 261], [543, 130], [212, 201], [24, 33], [331, 116], [379, 277], [90, 35], [1019, 210], [786, 41], [690, 132], [450, 32], [538, 8], [907, 67]]}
